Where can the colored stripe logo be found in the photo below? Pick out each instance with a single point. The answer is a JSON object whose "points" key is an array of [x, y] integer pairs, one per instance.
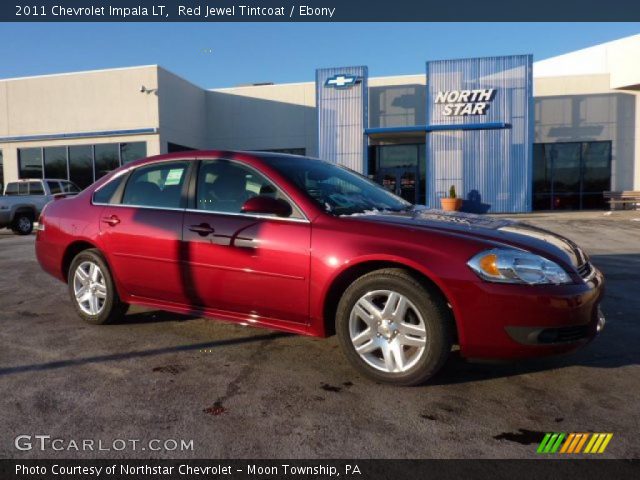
{"points": [[573, 443]]}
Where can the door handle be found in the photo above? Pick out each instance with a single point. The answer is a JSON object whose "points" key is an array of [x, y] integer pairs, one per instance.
{"points": [[203, 229], [112, 221]]}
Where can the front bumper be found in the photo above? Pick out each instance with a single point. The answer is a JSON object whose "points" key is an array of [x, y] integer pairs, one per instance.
{"points": [[516, 321], [557, 335]]}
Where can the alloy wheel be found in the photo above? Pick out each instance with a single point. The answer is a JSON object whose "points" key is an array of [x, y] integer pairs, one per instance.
{"points": [[387, 331], [90, 288]]}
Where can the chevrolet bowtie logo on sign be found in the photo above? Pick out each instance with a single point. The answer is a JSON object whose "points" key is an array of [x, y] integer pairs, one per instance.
{"points": [[342, 80], [461, 103], [575, 443]]}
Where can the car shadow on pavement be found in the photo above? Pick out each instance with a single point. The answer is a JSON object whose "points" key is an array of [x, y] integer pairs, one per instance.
{"points": [[153, 316], [138, 354]]}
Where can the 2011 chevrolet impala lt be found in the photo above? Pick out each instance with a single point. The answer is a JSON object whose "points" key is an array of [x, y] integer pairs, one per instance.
{"points": [[306, 246]]}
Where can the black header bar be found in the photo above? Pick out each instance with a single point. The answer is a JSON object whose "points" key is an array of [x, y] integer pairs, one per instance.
{"points": [[579, 469], [317, 11]]}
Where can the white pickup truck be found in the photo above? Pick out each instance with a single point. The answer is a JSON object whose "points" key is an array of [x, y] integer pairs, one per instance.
{"points": [[23, 201]]}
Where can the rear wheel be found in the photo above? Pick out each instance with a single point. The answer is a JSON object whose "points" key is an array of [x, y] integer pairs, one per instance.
{"points": [[92, 289], [22, 223], [393, 329]]}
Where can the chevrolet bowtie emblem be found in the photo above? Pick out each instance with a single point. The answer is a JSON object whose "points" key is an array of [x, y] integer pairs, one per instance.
{"points": [[342, 81]]}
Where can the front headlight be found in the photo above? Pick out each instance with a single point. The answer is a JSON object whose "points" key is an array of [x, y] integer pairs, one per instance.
{"points": [[517, 266]]}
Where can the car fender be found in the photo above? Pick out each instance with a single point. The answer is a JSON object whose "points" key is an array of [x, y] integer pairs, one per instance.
{"points": [[400, 261]]}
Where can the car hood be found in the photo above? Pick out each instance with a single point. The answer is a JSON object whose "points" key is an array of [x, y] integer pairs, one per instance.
{"points": [[494, 230]]}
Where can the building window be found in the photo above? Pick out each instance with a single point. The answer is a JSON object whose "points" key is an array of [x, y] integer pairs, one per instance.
{"points": [[107, 158], [132, 151], [571, 175], [81, 165], [55, 162], [30, 162]]}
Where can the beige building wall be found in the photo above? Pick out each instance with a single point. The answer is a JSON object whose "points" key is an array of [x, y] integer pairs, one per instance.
{"points": [[585, 108], [80, 102], [182, 110], [264, 117]]}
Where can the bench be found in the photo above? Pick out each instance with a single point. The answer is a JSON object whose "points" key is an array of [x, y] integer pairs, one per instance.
{"points": [[624, 198]]}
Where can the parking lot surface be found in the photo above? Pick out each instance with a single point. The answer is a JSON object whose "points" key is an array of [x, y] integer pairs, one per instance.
{"points": [[240, 392]]}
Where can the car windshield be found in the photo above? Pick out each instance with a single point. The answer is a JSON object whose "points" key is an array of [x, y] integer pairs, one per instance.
{"points": [[338, 190]]}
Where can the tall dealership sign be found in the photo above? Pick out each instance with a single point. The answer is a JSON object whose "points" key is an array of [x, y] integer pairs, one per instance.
{"points": [[342, 106], [480, 132]]}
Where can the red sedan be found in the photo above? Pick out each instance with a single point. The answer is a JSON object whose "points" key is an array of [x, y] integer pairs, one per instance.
{"points": [[309, 247]]}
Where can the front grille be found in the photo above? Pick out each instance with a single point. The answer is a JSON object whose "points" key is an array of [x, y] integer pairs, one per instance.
{"points": [[564, 334]]}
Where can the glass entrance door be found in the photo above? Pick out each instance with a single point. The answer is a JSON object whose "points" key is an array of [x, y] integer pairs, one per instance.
{"points": [[571, 176], [401, 169], [403, 181]]}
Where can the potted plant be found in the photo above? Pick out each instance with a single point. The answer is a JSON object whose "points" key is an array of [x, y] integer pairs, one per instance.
{"points": [[451, 203]]}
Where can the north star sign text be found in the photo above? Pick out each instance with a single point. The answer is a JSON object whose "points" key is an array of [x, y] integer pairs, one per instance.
{"points": [[460, 103]]}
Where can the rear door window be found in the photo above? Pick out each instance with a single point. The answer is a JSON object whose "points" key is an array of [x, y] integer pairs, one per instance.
{"points": [[158, 185]]}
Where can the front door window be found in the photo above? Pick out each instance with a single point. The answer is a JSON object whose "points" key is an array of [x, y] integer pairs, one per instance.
{"points": [[256, 265]]}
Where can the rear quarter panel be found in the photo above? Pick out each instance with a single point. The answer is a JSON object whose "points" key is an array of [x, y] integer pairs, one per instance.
{"points": [[67, 221]]}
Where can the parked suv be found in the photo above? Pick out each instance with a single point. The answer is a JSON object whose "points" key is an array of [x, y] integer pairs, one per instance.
{"points": [[23, 201], [309, 247]]}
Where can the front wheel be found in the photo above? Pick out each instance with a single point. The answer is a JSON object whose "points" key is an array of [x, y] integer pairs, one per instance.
{"points": [[393, 329], [92, 289]]}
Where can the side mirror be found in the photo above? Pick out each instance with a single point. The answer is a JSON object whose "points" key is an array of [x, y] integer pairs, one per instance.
{"points": [[267, 206]]}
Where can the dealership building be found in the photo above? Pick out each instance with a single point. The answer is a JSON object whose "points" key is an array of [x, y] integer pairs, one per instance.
{"points": [[510, 134]]}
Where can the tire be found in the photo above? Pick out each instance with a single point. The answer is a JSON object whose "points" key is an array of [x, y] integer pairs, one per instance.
{"points": [[22, 223], [92, 289], [405, 344]]}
